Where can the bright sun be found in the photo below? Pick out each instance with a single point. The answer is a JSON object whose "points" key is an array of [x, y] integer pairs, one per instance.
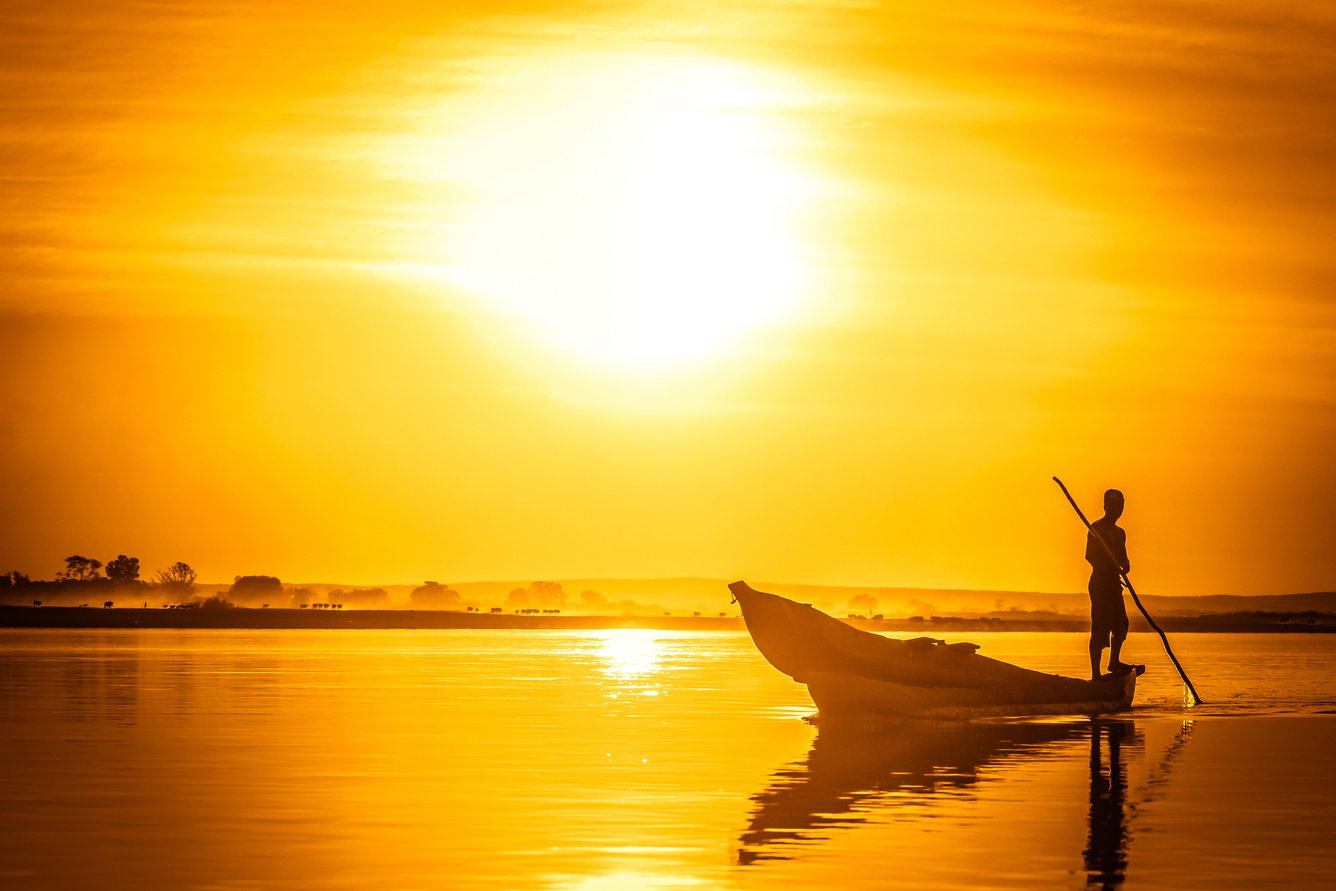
{"points": [[633, 210]]}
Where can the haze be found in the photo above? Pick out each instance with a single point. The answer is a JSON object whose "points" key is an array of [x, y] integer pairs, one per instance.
{"points": [[814, 293]]}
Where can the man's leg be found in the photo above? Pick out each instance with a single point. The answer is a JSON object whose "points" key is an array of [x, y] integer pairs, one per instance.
{"points": [[1115, 650], [1097, 644], [1119, 634]]}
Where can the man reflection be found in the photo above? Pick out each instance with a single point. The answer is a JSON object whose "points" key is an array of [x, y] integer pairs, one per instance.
{"points": [[1106, 848]]}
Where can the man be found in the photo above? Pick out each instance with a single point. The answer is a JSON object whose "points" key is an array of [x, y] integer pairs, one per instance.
{"points": [[1108, 614]]}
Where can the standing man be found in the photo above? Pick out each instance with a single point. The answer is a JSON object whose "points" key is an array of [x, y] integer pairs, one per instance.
{"points": [[1108, 614]]}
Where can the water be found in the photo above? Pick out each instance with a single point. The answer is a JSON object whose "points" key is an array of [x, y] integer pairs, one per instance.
{"points": [[636, 759]]}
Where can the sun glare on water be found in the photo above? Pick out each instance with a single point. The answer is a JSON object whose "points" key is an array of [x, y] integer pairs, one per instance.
{"points": [[629, 653], [631, 210]]}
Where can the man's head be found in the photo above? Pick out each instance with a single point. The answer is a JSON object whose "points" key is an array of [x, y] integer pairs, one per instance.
{"points": [[1113, 504]]}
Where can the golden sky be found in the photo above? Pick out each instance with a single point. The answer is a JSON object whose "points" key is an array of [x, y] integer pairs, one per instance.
{"points": [[801, 292]]}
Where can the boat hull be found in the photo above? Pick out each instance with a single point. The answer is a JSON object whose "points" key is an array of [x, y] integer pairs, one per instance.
{"points": [[837, 695]]}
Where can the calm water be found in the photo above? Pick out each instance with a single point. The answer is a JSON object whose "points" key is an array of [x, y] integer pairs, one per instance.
{"points": [[636, 759]]}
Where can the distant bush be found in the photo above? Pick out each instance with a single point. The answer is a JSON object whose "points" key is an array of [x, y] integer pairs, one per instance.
{"points": [[433, 595], [540, 595], [863, 603], [365, 598], [254, 589]]}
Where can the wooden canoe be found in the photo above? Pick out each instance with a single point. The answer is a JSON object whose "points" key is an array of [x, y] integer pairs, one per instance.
{"points": [[848, 671]]}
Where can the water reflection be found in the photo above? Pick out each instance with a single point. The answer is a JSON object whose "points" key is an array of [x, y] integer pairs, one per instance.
{"points": [[860, 774], [632, 881], [628, 653], [93, 689], [1108, 839], [1106, 845], [854, 770]]}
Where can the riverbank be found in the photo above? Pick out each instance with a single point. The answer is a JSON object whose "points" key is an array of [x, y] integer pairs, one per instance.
{"points": [[239, 617]]}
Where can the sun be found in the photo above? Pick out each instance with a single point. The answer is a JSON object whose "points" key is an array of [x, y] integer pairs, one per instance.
{"points": [[630, 210]]}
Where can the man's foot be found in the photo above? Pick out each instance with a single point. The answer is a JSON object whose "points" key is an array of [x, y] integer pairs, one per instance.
{"points": [[1120, 668]]}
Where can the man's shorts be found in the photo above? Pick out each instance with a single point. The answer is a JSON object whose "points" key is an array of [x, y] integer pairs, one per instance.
{"points": [[1108, 613]]}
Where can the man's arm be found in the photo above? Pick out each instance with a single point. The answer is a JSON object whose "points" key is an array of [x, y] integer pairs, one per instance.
{"points": [[1120, 551]]}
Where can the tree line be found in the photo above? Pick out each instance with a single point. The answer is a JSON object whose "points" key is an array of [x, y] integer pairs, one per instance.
{"points": [[85, 576], [88, 577], [123, 572]]}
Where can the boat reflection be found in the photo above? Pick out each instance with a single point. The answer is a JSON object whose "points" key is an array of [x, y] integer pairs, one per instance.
{"points": [[854, 774], [852, 767]]}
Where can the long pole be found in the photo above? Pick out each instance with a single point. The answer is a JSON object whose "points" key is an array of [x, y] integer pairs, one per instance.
{"points": [[1196, 700]]}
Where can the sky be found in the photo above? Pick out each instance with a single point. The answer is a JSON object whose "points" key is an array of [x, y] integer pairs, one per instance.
{"points": [[813, 293]]}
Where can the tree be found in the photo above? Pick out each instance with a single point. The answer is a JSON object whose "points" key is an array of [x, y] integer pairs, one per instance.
{"points": [[539, 594], [178, 577], [363, 597], [434, 595], [80, 569], [123, 570], [254, 588]]}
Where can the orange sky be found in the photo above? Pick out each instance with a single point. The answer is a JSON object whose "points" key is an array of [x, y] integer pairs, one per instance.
{"points": [[805, 293]]}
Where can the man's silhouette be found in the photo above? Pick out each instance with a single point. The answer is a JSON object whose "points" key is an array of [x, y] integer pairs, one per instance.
{"points": [[1108, 614]]}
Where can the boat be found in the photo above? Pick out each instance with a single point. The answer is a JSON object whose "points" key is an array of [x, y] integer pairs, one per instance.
{"points": [[853, 672]]}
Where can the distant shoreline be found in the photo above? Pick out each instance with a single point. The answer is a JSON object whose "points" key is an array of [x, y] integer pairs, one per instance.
{"points": [[371, 619]]}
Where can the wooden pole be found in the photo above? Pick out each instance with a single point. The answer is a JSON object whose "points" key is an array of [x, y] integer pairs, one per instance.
{"points": [[1197, 700]]}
